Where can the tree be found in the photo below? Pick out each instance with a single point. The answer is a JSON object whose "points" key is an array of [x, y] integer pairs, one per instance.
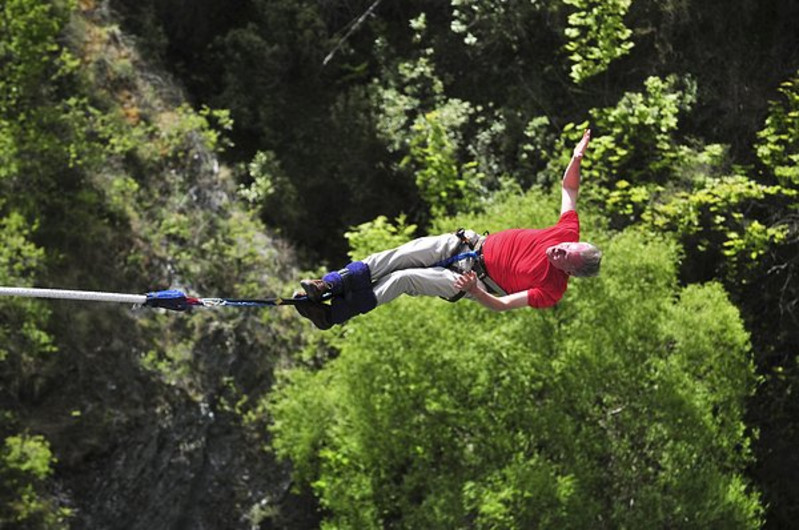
{"points": [[29, 60], [622, 407]]}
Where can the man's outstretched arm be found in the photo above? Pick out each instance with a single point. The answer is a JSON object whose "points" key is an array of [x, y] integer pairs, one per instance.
{"points": [[571, 177]]}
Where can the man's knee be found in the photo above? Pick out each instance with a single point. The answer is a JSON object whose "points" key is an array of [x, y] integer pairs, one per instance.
{"points": [[422, 283], [407, 281]]}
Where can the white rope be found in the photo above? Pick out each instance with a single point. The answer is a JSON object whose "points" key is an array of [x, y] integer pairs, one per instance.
{"points": [[93, 296]]}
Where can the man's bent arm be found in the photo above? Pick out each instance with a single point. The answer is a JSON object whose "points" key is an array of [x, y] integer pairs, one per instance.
{"points": [[500, 303], [468, 282]]}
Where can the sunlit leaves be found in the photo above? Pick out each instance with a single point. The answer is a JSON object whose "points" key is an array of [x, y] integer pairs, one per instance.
{"points": [[25, 462], [378, 234], [489, 22], [29, 52], [445, 185], [713, 216], [597, 36], [429, 140], [778, 146]]}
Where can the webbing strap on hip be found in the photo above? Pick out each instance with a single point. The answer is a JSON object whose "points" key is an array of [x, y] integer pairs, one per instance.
{"points": [[478, 265]]}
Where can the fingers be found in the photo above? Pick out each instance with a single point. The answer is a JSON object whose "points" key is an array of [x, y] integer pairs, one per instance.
{"points": [[582, 145], [466, 282]]}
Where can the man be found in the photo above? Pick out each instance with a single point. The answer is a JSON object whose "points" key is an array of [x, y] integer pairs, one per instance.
{"points": [[507, 270]]}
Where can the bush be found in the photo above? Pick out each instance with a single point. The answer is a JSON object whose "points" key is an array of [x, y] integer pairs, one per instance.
{"points": [[622, 407]]}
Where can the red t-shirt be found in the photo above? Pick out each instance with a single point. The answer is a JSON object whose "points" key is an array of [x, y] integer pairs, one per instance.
{"points": [[516, 259]]}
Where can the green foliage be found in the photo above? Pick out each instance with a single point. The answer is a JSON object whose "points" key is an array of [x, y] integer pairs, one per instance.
{"points": [[636, 139], [778, 146], [176, 132], [712, 216], [612, 405], [19, 257], [615, 408], [32, 66], [645, 121], [262, 169], [409, 90], [379, 234], [443, 184], [634, 153], [489, 21], [28, 455], [597, 36], [28, 48], [667, 156], [25, 463], [106, 185], [638, 171], [22, 323], [430, 140]]}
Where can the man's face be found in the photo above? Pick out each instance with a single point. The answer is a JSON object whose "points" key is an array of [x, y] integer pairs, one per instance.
{"points": [[567, 256]]}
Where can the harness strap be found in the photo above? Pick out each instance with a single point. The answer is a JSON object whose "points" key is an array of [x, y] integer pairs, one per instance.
{"points": [[455, 298], [480, 268], [461, 233], [478, 264], [458, 257]]}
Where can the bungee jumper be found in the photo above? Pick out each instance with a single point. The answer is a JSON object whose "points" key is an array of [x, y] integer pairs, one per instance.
{"points": [[507, 270], [510, 269]]}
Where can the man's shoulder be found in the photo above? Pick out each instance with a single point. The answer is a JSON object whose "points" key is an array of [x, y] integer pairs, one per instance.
{"points": [[568, 215], [568, 225], [569, 219]]}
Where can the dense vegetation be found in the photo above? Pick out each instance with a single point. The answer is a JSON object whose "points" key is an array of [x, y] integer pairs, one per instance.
{"points": [[660, 394], [109, 183], [612, 411]]}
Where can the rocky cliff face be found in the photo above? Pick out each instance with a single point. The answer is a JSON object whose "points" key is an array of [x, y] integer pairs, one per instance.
{"points": [[138, 451]]}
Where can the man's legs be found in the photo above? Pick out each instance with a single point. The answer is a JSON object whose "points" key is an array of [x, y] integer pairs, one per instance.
{"points": [[351, 294], [430, 281], [419, 253], [407, 269]]}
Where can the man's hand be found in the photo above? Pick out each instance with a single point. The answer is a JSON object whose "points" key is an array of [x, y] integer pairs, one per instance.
{"points": [[467, 282], [582, 145]]}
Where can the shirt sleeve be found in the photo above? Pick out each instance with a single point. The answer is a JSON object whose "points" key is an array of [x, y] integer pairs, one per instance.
{"points": [[541, 298], [570, 221]]}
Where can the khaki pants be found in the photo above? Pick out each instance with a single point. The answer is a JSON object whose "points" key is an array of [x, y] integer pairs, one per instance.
{"points": [[408, 269]]}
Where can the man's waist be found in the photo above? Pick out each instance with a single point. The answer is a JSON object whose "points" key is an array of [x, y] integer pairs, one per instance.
{"points": [[482, 271]]}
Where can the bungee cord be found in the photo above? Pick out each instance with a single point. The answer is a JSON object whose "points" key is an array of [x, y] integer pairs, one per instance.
{"points": [[171, 299], [176, 300]]}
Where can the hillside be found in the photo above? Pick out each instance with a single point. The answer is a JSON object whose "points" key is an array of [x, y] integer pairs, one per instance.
{"points": [[221, 148], [135, 415]]}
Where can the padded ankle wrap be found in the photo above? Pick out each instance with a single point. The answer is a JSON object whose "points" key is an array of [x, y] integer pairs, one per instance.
{"points": [[352, 286], [358, 303], [354, 277]]}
